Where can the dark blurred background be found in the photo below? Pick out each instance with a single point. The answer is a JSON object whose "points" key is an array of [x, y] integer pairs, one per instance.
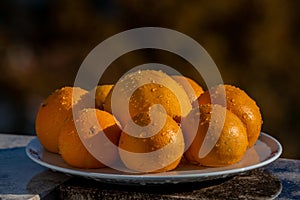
{"points": [[255, 44]]}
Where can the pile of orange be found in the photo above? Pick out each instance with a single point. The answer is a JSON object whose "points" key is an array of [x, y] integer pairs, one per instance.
{"points": [[166, 118]]}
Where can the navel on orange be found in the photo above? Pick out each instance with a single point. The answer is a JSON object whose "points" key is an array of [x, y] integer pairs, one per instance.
{"points": [[159, 152], [143, 89]]}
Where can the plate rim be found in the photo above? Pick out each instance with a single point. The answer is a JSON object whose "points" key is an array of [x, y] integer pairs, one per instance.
{"points": [[150, 177]]}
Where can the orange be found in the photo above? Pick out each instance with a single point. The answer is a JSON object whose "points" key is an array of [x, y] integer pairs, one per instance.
{"points": [[238, 102], [145, 88], [229, 141], [101, 94], [54, 112], [193, 89], [161, 151], [73, 150]]}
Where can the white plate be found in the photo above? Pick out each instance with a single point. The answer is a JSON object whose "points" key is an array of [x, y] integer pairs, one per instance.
{"points": [[266, 150]]}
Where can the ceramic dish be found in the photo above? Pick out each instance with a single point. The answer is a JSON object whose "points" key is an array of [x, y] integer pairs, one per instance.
{"points": [[266, 150]]}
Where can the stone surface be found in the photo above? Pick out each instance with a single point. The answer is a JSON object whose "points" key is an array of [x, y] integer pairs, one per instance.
{"points": [[12, 141], [20, 178], [251, 185], [288, 172], [280, 180]]}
